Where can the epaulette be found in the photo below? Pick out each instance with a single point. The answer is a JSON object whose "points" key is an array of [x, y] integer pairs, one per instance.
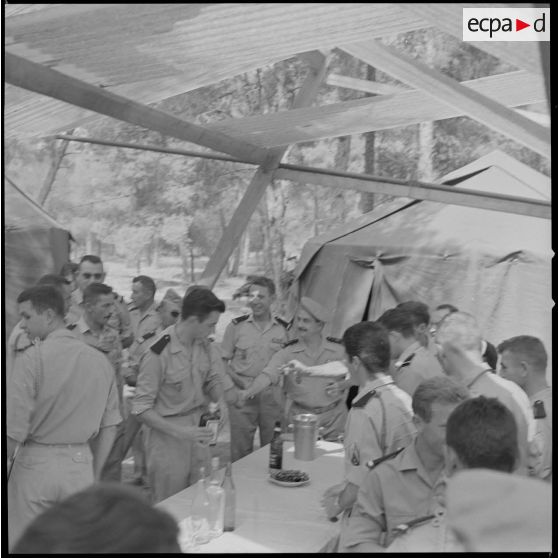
{"points": [[539, 410], [375, 462], [291, 342], [131, 306], [240, 319], [364, 399], [407, 361], [158, 347], [335, 340], [147, 336], [71, 327], [283, 322], [24, 348]]}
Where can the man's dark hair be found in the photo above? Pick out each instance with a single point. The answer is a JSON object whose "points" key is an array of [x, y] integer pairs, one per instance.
{"points": [[43, 297], [200, 303], [146, 282], [102, 519], [449, 307], [370, 342], [92, 292], [483, 433], [262, 281], [400, 320], [195, 287], [91, 259], [53, 280], [440, 389], [418, 310], [68, 267], [528, 348]]}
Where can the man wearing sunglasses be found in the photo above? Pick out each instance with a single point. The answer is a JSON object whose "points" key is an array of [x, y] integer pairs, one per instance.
{"points": [[91, 271], [169, 308]]}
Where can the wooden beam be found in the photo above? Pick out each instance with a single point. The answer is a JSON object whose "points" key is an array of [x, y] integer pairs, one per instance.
{"points": [[491, 113], [41, 79], [416, 190], [375, 87], [375, 113], [264, 175]]}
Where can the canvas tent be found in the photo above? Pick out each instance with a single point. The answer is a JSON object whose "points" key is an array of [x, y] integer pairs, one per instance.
{"points": [[34, 244], [495, 265]]}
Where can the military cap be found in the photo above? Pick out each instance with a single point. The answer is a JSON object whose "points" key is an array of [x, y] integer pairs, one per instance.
{"points": [[315, 309], [172, 296]]}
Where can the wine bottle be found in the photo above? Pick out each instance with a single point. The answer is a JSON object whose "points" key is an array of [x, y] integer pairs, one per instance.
{"points": [[200, 511], [230, 500], [216, 498], [276, 449], [211, 419]]}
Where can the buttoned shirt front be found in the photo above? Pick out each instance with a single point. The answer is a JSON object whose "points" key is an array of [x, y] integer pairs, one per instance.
{"points": [[395, 492], [415, 364], [382, 425], [62, 392], [309, 391], [145, 326], [175, 381], [249, 348]]}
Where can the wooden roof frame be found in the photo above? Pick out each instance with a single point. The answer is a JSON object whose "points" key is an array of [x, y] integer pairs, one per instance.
{"points": [[446, 96]]}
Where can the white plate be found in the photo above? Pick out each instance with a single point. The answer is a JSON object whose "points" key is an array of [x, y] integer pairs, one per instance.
{"points": [[288, 484]]}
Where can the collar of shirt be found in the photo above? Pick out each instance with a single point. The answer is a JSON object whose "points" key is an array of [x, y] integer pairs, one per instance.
{"points": [[60, 334], [149, 312], [176, 346], [409, 460], [379, 381], [269, 325], [543, 394], [412, 348]]}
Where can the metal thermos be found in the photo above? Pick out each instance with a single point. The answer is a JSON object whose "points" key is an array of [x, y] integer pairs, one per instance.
{"points": [[305, 436]]}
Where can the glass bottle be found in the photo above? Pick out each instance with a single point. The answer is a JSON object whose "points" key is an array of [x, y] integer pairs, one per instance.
{"points": [[230, 500], [200, 511], [216, 498], [276, 449], [210, 419]]}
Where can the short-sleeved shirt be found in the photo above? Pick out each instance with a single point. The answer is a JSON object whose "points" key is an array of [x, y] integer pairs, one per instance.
{"points": [[176, 380], [377, 424], [544, 427], [106, 341], [397, 491], [145, 326], [415, 364], [310, 391], [18, 342], [62, 392]]}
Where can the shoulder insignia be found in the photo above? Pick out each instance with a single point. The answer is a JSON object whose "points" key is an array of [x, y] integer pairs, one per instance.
{"points": [[335, 340], [24, 348], [240, 319], [283, 322], [539, 410], [375, 462], [355, 455], [71, 327], [406, 362], [158, 347], [364, 399], [289, 343], [147, 336]]}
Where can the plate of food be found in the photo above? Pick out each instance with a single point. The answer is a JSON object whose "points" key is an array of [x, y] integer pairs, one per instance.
{"points": [[289, 478]]}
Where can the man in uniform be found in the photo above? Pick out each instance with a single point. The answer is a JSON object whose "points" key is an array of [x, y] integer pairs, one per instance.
{"points": [[381, 418], [409, 486], [306, 394], [61, 414], [176, 374], [248, 344], [91, 271], [523, 360], [413, 362], [169, 308]]}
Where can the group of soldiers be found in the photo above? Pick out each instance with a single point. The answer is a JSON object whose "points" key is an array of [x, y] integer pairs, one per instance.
{"points": [[91, 377]]}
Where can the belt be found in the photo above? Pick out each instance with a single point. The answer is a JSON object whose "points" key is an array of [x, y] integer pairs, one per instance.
{"points": [[185, 413], [318, 410], [30, 443]]}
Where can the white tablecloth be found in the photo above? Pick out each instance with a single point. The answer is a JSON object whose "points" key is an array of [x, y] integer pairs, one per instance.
{"points": [[271, 518]]}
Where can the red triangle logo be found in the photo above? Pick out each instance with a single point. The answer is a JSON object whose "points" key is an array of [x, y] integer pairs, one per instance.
{"points": [[519, 25]]}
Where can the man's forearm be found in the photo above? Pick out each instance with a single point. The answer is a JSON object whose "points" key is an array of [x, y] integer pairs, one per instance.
{"points": [[348, 497], [100, 447], [261, 382], [154, 420]]}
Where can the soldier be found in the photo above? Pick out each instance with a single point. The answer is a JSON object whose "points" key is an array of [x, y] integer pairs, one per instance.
{"points": [[248, 344], [91, 271], [409, 486], [307, 395], [381, 418], [421, 321], [413, 362], [523, 360], [169, 308], [61, 414], [176, 374]]}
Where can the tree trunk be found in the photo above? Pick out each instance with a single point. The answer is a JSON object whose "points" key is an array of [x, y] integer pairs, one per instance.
{"points": [[156, 252], [184, 261], [192, 263], [368, 201], [58, 155], [426, 130]]}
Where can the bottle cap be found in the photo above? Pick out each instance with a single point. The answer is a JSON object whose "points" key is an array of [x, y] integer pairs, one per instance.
{"points": [[213, 406]]}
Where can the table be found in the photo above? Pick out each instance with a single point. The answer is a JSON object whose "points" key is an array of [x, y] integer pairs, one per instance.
{"points": [[271, 518]]}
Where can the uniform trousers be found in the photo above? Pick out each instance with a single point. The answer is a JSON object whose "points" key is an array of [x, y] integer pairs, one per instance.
{"points": [[173, 464], [262, 411], [41, 476], [331, 422]]}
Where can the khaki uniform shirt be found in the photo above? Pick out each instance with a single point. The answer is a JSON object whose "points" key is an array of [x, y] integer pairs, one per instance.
{"points": [[175, 381], [107, 341], [62, 392], [249, 348], [145, 327], [377, 425], [395, 492], [310, 392], [544, 427], [415, 364], [18, 342]]}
